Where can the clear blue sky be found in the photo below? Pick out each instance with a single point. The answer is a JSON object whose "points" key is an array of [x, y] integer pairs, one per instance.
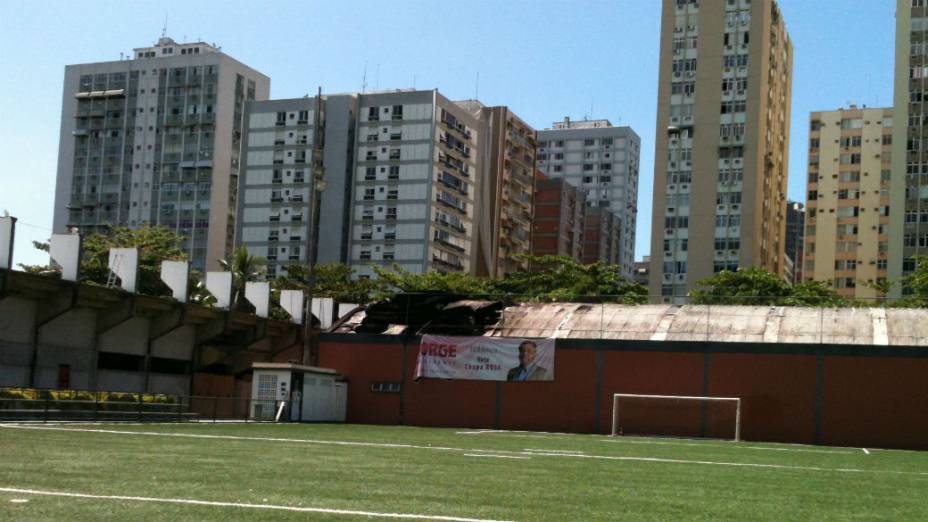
{"points": [[545, 59]]}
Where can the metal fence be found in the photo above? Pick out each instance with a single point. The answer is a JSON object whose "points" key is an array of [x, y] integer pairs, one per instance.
{"points": [[47, 405]]}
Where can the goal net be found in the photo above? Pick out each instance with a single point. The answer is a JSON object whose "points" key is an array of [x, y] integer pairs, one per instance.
{"points": [[676, 416]]}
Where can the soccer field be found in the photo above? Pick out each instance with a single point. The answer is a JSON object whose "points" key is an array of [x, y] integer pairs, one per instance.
{"points": [[345, 472]]}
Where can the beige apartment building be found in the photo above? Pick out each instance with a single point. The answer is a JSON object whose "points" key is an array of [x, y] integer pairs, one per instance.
{"points": [[506, 190], [847, 214], [722, 144], [908, 237]]}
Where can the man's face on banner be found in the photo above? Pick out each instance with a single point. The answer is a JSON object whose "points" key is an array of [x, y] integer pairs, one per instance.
{"points": [[527, 353]]}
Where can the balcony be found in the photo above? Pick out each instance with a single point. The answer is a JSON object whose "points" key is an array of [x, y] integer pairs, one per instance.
{"points": [[450, 245], [447, 264]]}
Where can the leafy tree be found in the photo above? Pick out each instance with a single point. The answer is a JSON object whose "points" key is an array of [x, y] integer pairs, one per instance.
{"points": [[815, 293], [757, 286], [916, 285], [560, 278], [244, 267], [333, 280], [155, 244], [397, 277]]}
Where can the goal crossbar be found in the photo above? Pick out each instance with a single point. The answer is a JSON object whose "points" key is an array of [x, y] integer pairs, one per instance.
{"points": [[617, 396]]}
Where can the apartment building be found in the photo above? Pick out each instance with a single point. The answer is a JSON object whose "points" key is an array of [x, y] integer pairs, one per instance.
{"points": [[504, 203], [415, 183], [795, 232], [722, 143], [155, 138], [277, 179], [602, 237], [603, 160], [908, 235], [848, 201], [557, 228]]}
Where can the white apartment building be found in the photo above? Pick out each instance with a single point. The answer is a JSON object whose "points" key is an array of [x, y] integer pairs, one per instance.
{"points": [[415, 183], [602, 160], [154, 138]]}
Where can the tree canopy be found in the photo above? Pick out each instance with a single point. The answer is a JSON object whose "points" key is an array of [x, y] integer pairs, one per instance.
{"points": [[757, 286], [155, 244]]}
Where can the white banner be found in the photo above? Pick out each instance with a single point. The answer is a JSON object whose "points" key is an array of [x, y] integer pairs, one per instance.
{"points": [[485, 358]]}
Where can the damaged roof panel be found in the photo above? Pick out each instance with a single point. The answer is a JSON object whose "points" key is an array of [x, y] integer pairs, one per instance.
{"points": [[752, 324]]}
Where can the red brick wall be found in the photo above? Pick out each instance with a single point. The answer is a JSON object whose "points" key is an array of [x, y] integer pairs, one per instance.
{"points": [[777, 393], [865, 401], [875, 401], [365, 364]]}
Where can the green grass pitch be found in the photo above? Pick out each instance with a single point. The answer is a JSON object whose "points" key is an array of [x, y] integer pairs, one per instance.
{"points": [[348, 472]]}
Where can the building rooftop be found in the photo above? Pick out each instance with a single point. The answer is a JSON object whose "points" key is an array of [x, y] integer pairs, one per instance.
{"points": [[583, 124], [742, 324], [168, 47]]}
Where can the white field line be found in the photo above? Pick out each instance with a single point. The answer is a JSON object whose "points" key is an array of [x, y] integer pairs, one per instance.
{"points": [[567, 452], [478, 450], [489, 456], [212, 503], [733, 445], [735, 464]]}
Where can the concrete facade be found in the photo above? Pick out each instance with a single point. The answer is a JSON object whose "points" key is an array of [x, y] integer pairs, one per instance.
{"points": [[795, 234], [848, 221], [602, 237], [416, 179], [559, 218], [277, 179], [505, 202], [155, 138], [909, 184], [722, 143], [602, 160], [58, 334]]}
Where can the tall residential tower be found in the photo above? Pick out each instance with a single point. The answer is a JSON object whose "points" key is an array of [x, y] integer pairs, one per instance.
{"points": [[154, 139], [602, 160], [847, 221], [722, 144], [908, 235]]}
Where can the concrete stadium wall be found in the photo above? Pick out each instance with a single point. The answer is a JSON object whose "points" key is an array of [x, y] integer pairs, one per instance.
{"points": [[32, 349], [835, 395]]}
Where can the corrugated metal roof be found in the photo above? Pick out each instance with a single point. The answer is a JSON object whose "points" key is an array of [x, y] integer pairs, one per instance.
{"points": [[757, 324]]}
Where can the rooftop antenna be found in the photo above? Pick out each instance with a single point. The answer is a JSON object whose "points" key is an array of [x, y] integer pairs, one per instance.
{"points": [[364, 79], [164, 28], [477, 87], [413, 82]]}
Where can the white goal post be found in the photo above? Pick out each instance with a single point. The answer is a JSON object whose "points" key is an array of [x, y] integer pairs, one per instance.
{"points": [[617, 396]]}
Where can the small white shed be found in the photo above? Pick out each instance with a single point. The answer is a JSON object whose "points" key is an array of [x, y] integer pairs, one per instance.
{"points": [[307, 393]]}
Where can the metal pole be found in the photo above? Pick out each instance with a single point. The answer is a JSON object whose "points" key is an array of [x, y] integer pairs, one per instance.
{"points": [[615, 416], [738, 421], [47, 395], [215, 407], [312, 241], [140, 407]]}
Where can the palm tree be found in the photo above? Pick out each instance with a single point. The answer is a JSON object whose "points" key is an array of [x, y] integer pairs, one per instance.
{"points": [[244, 267]]}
